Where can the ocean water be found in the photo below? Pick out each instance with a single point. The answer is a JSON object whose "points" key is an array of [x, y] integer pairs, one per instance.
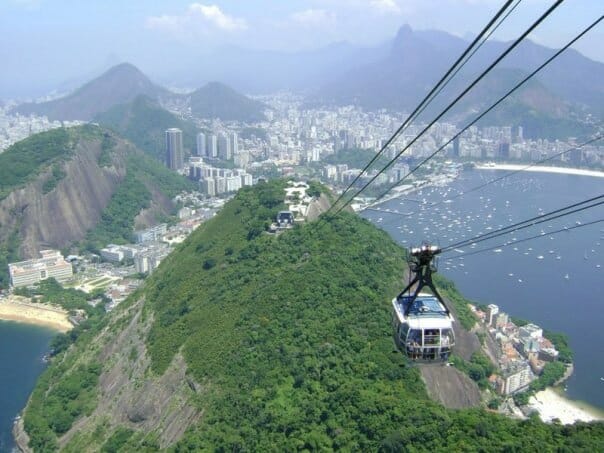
{"points": [[21, 350], [555, 281]]}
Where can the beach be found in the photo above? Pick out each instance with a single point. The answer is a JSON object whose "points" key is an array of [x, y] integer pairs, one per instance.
{"points": [[20, 309], [539, 169], [551, 405]]}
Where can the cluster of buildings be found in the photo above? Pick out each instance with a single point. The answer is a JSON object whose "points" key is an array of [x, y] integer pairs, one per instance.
{"points": [[14, 128], [341, 173], [52, 264], [217, 181], [298, 203], [522, 351]]}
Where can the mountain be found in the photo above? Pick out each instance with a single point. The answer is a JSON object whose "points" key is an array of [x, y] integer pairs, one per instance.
{"points": [[119, 85], [418, 59], [265, 71], [82, 185], [144, 122], [243, 341], [216, 100]]}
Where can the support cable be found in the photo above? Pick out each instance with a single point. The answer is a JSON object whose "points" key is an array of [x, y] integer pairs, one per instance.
{"points": [[522, 82], [494, 180], [537, 236], [552, 215], [461, 61]]}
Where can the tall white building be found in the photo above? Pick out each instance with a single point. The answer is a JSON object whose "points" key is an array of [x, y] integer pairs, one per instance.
{"points": [[174, 151], [492, 310], [225, 151], [212, 146], [201, 144], [234, 143]]}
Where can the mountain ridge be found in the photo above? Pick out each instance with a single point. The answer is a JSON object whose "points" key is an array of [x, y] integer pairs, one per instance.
{"points": [[63, 200], [118, 85], [277, 341]]}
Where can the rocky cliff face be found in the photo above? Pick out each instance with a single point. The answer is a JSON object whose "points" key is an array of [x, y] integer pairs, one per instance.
{"points": [[63, 215], [50, 213]]}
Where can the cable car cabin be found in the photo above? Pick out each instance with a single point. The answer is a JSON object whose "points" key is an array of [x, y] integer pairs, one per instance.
{"points": [[285, 219], [423, 328]]}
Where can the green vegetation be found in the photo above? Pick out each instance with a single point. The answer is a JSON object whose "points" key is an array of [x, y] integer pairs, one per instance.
{"points": [[552, 373], [216, 100], [56, 175], [51, 292], [132, 196], [291, 338], [9, 253], [107, 145], [448, 290], [144, 123], [356, 158], [26, 159], [258, 132], [52, 413], [117, 219], [479, 368], [560, 342]]}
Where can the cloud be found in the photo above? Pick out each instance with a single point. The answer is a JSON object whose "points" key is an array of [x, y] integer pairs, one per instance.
{"points": [[197, 17], [385, 6], [213, 14], [314, 17]]}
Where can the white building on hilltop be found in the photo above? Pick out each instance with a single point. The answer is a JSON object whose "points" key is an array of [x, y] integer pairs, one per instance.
{"points": [[51, 265]]}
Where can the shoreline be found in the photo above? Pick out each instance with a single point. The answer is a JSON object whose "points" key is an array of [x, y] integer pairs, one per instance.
{"points": [[20, 309], [552, 404], [537, 169]]}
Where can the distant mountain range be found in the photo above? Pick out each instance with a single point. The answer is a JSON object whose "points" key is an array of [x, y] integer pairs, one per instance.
{"points": [[394, 75], [118, 85], [124, 83], [417, 60]]}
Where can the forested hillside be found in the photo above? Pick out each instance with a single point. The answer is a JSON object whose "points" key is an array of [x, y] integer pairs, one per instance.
{"points": [[62, 186], [144, 122], [244, 341]]}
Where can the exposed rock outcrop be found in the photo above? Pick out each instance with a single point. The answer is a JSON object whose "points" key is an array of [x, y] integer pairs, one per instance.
{"points": [[130, 395], [63, 215]]}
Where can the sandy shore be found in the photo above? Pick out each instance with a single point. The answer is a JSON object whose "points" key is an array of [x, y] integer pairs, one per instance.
{"points": [[20, 309], [550, 405], [539, 169]]}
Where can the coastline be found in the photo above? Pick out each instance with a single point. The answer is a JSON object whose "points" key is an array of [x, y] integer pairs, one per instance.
{"points": [[20, 309], [552, 404], [538, 169]]}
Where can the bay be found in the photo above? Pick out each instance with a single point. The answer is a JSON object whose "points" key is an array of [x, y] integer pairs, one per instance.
{"points": [[555, 281], [22, 348]]}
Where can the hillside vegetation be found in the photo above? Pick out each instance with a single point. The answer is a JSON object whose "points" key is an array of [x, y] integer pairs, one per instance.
{"points": [[61, 187], [289, 337], [25, 160], [143, 175], [144, 123], [216, 100]]}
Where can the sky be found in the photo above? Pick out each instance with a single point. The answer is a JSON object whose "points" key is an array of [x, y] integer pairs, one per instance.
{"points": [[49, 43]]}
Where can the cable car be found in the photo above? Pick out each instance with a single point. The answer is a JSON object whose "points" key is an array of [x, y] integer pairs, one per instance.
{"points": [[422, 323]]}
